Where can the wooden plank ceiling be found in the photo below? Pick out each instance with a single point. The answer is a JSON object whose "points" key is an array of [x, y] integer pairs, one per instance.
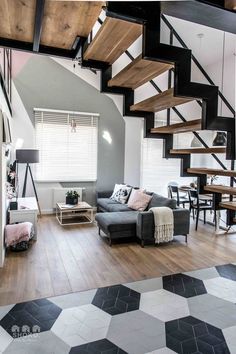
{"points": [[62, 21]]}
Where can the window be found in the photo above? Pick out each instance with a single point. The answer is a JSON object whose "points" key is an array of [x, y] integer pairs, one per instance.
{"points": [[67, 143], [156, 171]]}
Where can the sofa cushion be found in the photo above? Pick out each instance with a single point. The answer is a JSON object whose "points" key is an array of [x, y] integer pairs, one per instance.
{"points": [[117, 207], [122, 194], [116, 222], [104, 202], [138, 200], [160, 201]]}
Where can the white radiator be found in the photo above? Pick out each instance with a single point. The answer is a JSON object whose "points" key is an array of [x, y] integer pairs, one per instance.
{"points": [[59, 194]]}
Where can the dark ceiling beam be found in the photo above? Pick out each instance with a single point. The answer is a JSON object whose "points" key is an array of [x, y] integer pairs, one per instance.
{"points": [[28, 47], [38, 24]]}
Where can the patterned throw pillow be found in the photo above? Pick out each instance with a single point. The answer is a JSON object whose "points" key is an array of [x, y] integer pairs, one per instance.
{"points": [[121, 194]]}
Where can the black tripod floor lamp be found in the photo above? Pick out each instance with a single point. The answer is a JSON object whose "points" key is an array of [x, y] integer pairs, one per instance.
{"points": [[28, 156]]}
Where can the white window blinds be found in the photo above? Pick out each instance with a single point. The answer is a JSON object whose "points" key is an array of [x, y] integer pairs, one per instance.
{"points": [[67, 143]]}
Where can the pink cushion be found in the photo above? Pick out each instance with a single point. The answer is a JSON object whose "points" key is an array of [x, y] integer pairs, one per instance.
{"points": [[138, 200]]}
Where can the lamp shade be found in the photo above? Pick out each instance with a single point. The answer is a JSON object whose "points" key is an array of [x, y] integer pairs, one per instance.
{"points": [[27, 156]]}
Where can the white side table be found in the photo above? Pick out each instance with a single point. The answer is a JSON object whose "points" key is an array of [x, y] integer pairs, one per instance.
{"points": [[27, 211]]}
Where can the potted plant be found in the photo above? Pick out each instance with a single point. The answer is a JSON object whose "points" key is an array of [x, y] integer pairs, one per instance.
{"points": [[72, 197]]}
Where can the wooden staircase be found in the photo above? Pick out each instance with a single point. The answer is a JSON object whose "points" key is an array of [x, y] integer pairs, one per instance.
{"points": [[122, 26]]}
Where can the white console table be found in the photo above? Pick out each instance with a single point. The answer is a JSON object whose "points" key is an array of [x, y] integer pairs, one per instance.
{"points": [[27, 211]]}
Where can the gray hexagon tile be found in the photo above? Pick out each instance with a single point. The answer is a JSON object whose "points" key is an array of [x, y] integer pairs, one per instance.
{"points": [[164, 305], [217, 312], [146, 285], [5, 340], [227, 271], [74, 299], [222, 288], [81, 325], [136, 332], [42, 343], [229, 334], [162, 351], [203, 274]]}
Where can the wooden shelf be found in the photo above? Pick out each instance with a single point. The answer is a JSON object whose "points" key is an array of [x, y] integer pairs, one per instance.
{"points": [[211, 171], [212, 150], [138, 72], [112, 40], [220, 189], [178, 128], [228, 205], [161, 101]]}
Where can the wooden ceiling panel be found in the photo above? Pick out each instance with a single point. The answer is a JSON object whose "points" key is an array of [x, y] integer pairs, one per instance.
{"points": [[17, 19], [65, 20]]}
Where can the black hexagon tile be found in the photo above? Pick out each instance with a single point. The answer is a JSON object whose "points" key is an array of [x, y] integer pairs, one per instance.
{"points": [[190, 335], [227, 271], [102, 346], [29, 317], [116, 299], [184, 285]]}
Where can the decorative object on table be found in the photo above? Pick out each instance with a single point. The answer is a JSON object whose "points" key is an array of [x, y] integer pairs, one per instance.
{"points": [[213, 178], [72, 197], [220, 139], [28, 156]]}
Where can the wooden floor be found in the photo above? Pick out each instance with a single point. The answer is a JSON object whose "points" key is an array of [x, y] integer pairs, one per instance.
{"points": [[75, 258]]}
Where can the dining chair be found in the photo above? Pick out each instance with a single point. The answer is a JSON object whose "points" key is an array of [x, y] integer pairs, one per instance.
{"points": [[197, 205], [174, 194]]}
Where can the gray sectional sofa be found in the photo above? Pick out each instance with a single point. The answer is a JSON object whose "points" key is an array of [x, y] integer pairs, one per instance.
{"points": [[118, 221]]}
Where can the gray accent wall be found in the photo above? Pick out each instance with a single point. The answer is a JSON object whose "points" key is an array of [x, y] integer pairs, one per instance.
{"points": [[43, 83]]}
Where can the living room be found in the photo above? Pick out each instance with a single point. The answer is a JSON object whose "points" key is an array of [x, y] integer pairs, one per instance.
{"points": [[89, 164]]}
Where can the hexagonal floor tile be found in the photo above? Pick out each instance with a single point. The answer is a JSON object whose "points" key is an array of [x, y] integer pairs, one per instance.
{"points": [[5, 339], [162, 351], [143, 286], [45, 343], [222, 288], [116, 299], [99, 347], [164, 305], [191, 335], [27, 317], [227, 271], [81, 325], [74, 299], [230, 338], [136, 332], [203, 274], [213, 310], [183, 285]]}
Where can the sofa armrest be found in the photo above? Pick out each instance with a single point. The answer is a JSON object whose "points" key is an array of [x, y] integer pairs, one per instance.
{"points": [[104, 194], [146, 227]]}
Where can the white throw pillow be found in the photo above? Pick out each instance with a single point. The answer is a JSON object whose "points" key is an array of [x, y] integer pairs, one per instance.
{"points": [[115, 190], [122, 194]]}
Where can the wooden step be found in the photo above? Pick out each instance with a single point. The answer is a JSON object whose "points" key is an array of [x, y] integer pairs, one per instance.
{"points": [[178, 128], [228, 205], [200, 150], [211, 171], [220, 189], [159, 102], [138, 72], [112, 40]]}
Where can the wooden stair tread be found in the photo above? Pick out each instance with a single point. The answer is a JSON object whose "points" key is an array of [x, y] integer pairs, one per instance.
{"points": [[161, 101], [200, 150], [220, 189], [228, 205], [112, 40], [185, 127], [138, 72], [211, 171]]}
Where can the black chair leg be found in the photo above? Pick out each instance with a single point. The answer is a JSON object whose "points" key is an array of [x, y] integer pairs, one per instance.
{"points": [[197, 217], [204, 216]]}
